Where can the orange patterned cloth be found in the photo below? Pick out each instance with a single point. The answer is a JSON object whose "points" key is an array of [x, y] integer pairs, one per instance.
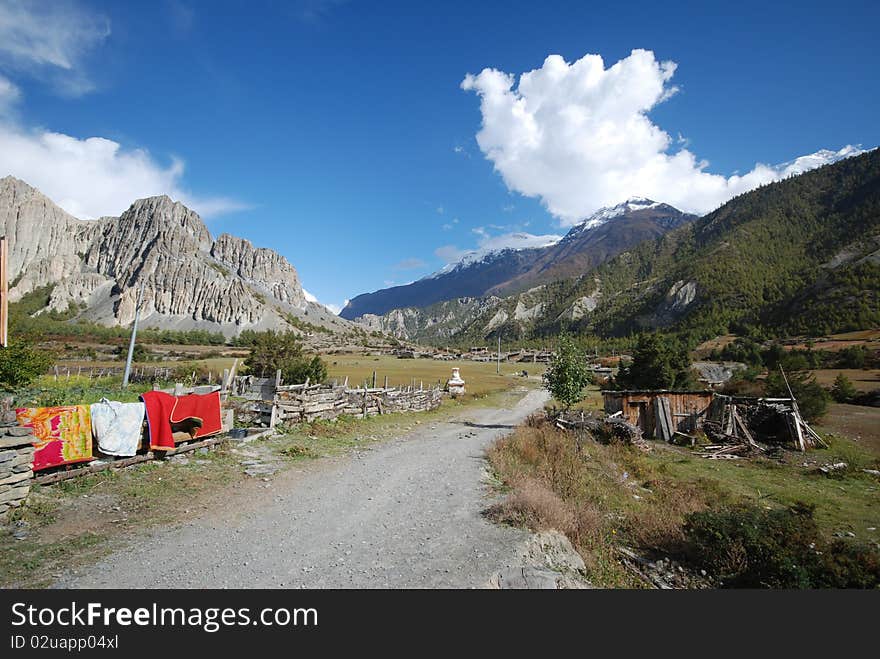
{"points": [[62, 435]]}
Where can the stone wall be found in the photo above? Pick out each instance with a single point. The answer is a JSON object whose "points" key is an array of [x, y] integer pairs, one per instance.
{"points": [[298, 403], [16, 466]]}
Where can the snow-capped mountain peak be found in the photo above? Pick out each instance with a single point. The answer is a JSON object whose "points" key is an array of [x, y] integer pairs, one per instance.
{"points": [[494, 247], [813, 160], [602, 215]]}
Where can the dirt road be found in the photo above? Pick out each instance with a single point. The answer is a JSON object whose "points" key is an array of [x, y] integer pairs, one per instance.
{"points": [[404, 514]]}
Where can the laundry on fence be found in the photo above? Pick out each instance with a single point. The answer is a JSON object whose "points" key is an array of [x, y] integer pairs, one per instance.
{"points": [[189, 417], [62, 435], [118, 427]]}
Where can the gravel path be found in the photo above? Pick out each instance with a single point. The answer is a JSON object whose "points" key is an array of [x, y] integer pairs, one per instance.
{"points": [[404, 514]]}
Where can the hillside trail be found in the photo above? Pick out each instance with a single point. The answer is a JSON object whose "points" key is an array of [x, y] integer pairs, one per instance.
{"points": [[405, 514]]}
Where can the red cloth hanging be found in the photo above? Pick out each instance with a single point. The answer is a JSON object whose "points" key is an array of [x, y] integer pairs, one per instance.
{"points": [[163, 410]]}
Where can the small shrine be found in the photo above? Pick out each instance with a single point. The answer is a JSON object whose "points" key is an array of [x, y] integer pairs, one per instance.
{"points": [[455, 385]]}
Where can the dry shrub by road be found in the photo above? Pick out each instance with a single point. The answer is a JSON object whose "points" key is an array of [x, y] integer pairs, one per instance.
{"points": [[659, 503]]}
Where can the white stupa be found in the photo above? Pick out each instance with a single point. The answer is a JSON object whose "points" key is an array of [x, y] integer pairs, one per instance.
{"points": [[455, 385]]}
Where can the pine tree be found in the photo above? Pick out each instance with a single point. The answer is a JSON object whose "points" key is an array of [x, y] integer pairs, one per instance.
{"points": [[843, 391]]}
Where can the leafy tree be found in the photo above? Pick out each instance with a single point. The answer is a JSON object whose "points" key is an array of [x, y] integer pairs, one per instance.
{"points": [[21, 364], [272, 351], [811, 398], [657, 363], [843, 391], [567, 374]]}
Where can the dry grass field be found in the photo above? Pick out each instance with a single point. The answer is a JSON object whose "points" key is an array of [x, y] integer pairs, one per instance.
{"points": [[480, 377], [863, 379]]}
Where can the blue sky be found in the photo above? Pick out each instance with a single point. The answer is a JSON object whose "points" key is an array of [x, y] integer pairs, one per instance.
{"points": [[339, 134]]}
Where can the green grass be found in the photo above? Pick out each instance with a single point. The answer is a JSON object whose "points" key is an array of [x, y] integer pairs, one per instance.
{"points": [[603, 495], [848, 502]]}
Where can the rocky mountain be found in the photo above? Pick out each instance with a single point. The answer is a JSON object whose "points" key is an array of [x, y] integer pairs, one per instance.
{"points": [[606, 233], [472, 278], [435, 323], [800, 256], [94, 268]]}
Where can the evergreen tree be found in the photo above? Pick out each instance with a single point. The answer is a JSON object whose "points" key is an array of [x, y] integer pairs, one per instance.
{"points": [[811, 398], [843, 391], [272, 351], [658, 363]]}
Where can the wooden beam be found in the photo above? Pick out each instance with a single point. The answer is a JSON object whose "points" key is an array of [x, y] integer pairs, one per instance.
{"points": [[92, 468], [4, 292]]}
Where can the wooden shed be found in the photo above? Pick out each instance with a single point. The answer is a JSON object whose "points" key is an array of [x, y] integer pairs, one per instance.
{"points": [[659, 413]]}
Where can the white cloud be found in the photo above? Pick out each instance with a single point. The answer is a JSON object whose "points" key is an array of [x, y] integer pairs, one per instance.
{"points": [[88, 177], [95, 176], [50, 39], [335, 308], [578, 137], [9, 95], [410, 264], [450, 253], [487, 243]]}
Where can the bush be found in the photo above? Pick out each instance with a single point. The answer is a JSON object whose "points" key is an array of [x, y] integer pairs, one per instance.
{"points": [[21, 364], [853, 357], [750, 547], [139, 354]]}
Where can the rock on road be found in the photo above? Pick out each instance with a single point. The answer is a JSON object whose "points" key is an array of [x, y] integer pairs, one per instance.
{"points": [[404, 514]]}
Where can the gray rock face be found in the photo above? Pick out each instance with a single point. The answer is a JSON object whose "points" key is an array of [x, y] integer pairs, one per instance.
{"points": [[192, 281], [44, 240], [437, 321], [260, 267]]}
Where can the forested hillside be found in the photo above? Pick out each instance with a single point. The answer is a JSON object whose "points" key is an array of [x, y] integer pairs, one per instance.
{"points": [[801, 256]]}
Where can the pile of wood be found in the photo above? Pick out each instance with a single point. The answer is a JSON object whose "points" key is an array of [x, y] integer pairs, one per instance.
{"points": [[739, 427], [304, 402], [611, 429], [731, 435]]}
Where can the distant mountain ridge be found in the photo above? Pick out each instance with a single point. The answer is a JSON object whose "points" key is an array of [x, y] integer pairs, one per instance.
{"points": [[604, 234], [799, 256], [93, 268]]}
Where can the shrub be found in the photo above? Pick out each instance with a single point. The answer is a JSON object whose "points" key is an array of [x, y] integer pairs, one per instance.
{"points": [[21, 364], [853, 357], [139, 354], [747, 546]]}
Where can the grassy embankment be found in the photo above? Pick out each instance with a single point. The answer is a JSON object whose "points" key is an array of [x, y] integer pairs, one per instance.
{"points": [[603, 496]]}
